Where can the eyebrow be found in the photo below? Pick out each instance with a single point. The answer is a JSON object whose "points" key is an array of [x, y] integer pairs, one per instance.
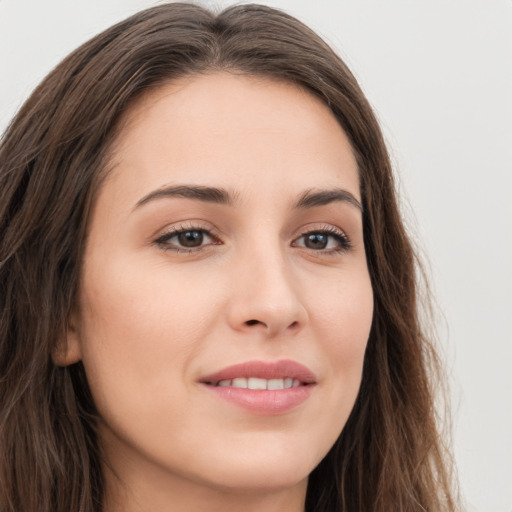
{"points": [[312, 198], [309, 199], [197, 192]]}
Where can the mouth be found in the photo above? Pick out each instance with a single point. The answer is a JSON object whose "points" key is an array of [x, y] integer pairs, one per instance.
{"points": [[259, 383], [263, 387], [261, 375]]}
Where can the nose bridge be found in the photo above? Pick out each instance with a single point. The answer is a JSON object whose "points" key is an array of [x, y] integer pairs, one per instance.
{"points": [[266, 296]]}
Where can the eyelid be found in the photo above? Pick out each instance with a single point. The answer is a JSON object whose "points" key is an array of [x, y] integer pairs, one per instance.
{"points": [[339, 234], [162, 239]]}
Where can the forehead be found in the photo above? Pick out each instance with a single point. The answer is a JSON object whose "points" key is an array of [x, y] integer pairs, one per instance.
{"points": [[226, 127]]}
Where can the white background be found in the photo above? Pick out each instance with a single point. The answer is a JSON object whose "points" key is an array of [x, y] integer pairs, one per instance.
{"points": [[439, 74]]}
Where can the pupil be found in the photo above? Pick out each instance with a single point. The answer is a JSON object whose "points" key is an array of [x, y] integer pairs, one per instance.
{"points": [[316, 241], [191, 238]]}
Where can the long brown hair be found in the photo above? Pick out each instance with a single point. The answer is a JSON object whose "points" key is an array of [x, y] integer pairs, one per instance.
{"points": [[52, 158]]}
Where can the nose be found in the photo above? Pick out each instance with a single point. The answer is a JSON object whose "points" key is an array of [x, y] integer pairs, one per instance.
{"points": [[266, 297]]}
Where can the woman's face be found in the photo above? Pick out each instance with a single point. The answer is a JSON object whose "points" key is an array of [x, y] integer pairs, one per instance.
{"points": [[225, 250]]}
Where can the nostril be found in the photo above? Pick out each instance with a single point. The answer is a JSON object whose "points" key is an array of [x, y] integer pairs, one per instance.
{"points": [[256, 322]]}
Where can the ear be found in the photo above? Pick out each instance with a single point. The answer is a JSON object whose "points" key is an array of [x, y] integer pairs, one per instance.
{"points": [[69, 350]]}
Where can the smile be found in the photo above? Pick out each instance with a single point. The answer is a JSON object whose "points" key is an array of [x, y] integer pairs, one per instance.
{"points": [[263, 388], [257, 383]]}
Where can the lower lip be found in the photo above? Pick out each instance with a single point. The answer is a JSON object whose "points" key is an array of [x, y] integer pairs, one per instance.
{"points": [[262, 401]]}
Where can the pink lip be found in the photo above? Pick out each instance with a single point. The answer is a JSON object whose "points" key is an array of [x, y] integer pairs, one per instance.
{"points": [[263, 401]]}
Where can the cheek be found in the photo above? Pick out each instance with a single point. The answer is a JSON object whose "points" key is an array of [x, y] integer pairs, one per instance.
{"points": [[133, 299], [343, 318], [142, 323], [133, 324], [345, 307]]}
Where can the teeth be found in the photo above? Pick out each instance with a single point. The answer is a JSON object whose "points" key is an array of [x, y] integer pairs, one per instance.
{"points": [[240, 382], [257, 383], [275, 384]]}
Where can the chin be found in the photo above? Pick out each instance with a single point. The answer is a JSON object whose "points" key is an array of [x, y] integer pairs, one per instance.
{"points": [[260, 479], [256, 472]]}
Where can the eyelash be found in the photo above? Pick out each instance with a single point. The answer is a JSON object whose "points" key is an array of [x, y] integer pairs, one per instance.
{"points": [[339, 236], [163, 241]]}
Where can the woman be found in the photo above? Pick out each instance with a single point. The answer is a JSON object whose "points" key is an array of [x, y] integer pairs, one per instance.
{"points": [[210, 298]]}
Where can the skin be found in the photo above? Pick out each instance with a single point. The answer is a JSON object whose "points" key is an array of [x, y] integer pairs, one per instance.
{"points": [[152, 321]]}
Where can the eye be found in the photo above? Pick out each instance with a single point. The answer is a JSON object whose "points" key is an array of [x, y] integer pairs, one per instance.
{"points": [[329, 240], [186, 239]]}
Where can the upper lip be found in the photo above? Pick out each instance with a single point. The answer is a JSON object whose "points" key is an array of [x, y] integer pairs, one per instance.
{"points": [[263, 370]]}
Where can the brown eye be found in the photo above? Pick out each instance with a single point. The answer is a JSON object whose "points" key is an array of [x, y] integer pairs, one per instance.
{"points": [[316, 240], [192, 238], [326, 240]]}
